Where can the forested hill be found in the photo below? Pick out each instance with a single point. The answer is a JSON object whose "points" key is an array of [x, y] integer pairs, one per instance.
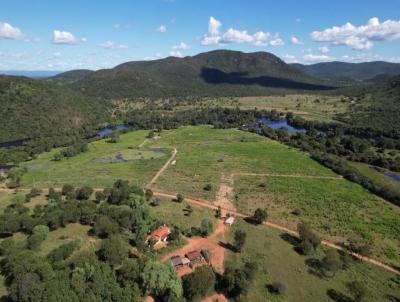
{"points": [[71, 76], [350, 71], [35, 108], [219, 72], [376, 106]]}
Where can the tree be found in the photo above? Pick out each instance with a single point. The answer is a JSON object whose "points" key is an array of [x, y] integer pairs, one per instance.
{"points": [[84, 193], [104, 227], [41, 230], [208, 187], [239, 240], [114, 250], [309, 241], [332, 261], [260, 215], [67, 189], [199, 283], [160, 280], [99, 196], [218, 212], [148, 194], [179, 198], [206, 227], [358, 290]]}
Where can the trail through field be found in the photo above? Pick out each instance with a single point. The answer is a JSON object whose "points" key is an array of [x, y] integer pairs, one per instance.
{"points": [[206, 204], [163, 168], [142, 144], [225, 193], [215, 243]]}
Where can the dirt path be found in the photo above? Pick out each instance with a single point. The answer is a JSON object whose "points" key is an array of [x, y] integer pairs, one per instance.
{"points": [[163, 168], [142, 144], [206, 204], [288, 175], [225, 193], [215, 243]]}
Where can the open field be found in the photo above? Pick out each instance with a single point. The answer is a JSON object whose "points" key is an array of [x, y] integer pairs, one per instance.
{"points": [[309, 106], [278, 261], [100, 166], [173, 213], [338, 209], [205, 153]]}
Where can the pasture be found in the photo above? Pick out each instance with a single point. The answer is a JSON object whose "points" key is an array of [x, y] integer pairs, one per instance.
{"points": [[277, 260]]}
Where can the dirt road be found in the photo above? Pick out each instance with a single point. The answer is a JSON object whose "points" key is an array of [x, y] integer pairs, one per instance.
{"points": [[163, 168]]}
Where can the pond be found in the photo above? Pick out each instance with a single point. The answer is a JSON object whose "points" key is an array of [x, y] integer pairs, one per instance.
{"points": [[108, 130], [392, 175], [281, 123]]}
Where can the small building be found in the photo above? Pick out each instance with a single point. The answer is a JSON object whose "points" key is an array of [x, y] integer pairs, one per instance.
{"points": [[160, 235], [178, 261], [194, 257], [230, 220]]}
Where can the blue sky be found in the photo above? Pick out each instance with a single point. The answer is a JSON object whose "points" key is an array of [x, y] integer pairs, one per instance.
{"points": [[63, 35]]}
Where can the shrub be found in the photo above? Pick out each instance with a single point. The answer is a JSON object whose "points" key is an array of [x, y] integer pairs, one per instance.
{"points": [[279, 287]]}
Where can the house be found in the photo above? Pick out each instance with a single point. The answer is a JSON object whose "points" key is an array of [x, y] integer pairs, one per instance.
{"points": [[160, 235], [230, 220], [178, 261], [194, 257]]}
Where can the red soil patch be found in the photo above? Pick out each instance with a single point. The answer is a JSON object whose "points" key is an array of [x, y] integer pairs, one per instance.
{"points": [[216, 298], [214, 243]]}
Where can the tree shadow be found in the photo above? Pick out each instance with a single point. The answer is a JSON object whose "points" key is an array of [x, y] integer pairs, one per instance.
{"points": [[338, 296], [315, 267], [251, 220], [392, 298], [293, 240], [227, 245], [216, 76]]}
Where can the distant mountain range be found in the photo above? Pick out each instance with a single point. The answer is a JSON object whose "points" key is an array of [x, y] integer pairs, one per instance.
{"points": [[220, 72], [31, 73], [341, 71]]}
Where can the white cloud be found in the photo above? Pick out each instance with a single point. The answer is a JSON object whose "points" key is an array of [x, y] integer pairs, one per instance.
{"points": [[65, 37], [161, 29], [113, 45], [176, 53], [317, 58], [290, 59], [214, 37], [359, 37], [324, 49], [181, 46], [7, 31], [296, 41]]}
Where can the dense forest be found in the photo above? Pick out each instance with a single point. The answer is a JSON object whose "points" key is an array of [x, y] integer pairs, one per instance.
{"points": [[36, 116]]}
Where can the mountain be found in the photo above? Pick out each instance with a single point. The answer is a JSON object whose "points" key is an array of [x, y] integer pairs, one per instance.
{"points": [[219, 72], [71, 76], [31, 73], [350, 71], [31, 108]]}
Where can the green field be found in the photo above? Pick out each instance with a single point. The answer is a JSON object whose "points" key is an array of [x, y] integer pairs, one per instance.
{"points": [[278, 261], [205, 153], [339, 209], [99, 166]]}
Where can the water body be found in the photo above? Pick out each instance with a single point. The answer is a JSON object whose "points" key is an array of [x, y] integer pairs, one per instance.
{"points": [[392, 175], [281, 123], [107, 131]]}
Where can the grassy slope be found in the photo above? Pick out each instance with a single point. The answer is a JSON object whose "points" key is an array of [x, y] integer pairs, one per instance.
{"points": [[87, 168], [278, 261]]}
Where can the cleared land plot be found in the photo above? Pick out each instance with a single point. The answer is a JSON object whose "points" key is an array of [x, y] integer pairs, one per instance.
{"points": [[339, 209], [314, 107], [100, 166], [174, 213], [278, 261], [205, 153]]}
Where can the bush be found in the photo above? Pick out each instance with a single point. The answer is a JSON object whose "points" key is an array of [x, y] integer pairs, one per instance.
{"points": [[208, 187], [67, 189], [179, 198], [199, 283], [279, 287]]}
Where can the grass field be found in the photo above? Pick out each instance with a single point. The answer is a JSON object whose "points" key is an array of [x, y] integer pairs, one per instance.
{"points": [[309, 106], [205, 153], [339, 209], [99, 166], [173, 213], [278, 261]]}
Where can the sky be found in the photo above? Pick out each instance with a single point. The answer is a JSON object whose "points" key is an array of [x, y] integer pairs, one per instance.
{"points": [[76, 34]]}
